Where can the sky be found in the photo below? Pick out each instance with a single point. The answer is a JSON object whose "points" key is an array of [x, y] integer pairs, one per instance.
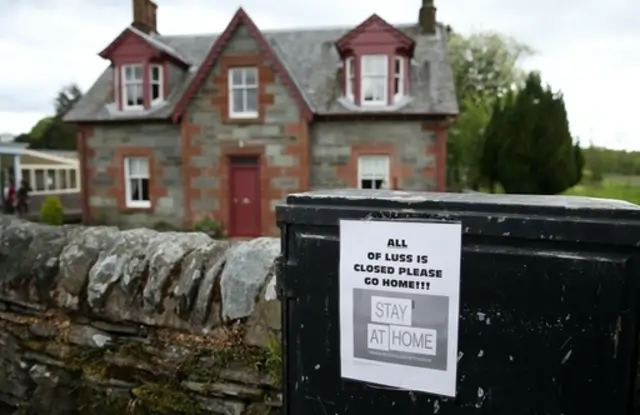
{"points": [[588, 49]]}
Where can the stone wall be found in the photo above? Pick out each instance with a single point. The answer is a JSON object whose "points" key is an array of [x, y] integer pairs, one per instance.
{"points": [[411, 146], [102, 321], [108, 146]]}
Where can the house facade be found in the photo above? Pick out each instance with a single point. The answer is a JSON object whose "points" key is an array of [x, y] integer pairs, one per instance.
{"points": [[182, 127]]}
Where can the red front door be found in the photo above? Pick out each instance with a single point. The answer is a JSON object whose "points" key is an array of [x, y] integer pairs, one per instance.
{"points": [[244, 197]]}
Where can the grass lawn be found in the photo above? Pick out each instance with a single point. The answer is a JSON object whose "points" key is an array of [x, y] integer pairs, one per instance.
{"points": [[612, 187]]}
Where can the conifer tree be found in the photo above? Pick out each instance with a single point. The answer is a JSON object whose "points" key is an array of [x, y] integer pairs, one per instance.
{"points": [[528, 146]]}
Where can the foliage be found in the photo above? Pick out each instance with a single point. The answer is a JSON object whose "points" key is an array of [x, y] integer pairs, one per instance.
{"points": [[528, 147], [51, 211], [607, 161], [464, 148], [66, 99], [611, 187], [210, 226], [485, 67], [51, 132]]}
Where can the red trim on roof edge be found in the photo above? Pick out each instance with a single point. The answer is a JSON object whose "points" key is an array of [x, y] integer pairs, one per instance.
{"points": [[241, 17], [113, 45], [340, 43], [106, 52]]}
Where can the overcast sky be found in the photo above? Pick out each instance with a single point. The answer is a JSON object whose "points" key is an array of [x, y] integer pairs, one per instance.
{"points": [[588, 49]]}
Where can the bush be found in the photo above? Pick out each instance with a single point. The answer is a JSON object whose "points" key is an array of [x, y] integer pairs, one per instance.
{"points": [[52, 212], [210, 226]]}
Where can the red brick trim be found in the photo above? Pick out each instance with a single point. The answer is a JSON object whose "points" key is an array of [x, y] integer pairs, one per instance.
{"points": [[265, 78], [439, 150], [82, 135], [406, 41], [187, 131], [117, 172], [240, 18], [397, 172]]}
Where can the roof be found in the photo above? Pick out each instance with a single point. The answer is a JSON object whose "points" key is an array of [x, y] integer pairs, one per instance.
{"points": [[17, 149], [309, 58]]}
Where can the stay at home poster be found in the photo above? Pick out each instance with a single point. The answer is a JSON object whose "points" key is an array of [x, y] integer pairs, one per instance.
{"points": [[399, 303]]}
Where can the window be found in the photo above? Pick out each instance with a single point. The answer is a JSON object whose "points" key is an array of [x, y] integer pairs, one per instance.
{"points": [[350, 78], [59, 179], [374, 79], [39, 181], [132, 87], [243, 92], [136, 182], [398, 78], [373, 172], [52, 180], [155, 78], [72, 179], [64, 179]]}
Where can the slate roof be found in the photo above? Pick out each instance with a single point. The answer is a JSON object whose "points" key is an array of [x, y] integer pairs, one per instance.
{"points": [[310, 57]]}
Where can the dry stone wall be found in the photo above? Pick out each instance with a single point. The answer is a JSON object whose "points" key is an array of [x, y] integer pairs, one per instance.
{"points": [[103, 321]]}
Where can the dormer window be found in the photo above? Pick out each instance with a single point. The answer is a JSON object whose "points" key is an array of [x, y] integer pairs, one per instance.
{"points": [[132, 87], [379, 83], [155, 80], [374, 79], [376, 58]]}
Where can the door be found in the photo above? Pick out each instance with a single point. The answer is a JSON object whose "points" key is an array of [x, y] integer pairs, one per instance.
{"points": [[244, 197]]}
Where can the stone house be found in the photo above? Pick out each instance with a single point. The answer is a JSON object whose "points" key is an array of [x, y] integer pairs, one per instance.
{"points": [[182, 127]]}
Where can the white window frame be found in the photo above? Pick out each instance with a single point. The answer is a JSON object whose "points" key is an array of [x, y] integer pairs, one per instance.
{"points": [[125, 83], [159, 82], [349, 77], [384, 76], [374, 167], [128, 177], [399, 76], [28, 173], [244, 86]]}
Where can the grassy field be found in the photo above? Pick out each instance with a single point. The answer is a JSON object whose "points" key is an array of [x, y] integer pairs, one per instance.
{"points": [[612, 187]]}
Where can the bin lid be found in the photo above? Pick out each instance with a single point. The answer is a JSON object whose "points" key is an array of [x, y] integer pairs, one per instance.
{"points": [[568, 218], [512, 203]]}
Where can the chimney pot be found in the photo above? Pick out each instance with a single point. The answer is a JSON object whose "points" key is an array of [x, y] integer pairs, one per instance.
{"points": [[427, 17], [145, 16]]}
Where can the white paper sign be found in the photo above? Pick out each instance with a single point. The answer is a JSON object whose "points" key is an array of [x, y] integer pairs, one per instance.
{"points": [[399, 303]]}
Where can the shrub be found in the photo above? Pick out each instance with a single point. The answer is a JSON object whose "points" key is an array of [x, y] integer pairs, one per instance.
{"points": [[210, 226], [52, 212]]}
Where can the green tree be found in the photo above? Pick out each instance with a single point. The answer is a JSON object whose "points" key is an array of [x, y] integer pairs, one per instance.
{"points": [[51, 132], [485, 67], [528, 146], [66, 99]]}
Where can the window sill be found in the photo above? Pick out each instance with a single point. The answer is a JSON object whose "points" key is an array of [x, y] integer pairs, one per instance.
{"points": [[350, 105], [243, 115], [133, 108], [138, 205]]}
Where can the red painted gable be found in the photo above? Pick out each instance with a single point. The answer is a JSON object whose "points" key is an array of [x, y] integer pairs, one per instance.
{"points": [[374, 35], [129, 45]]}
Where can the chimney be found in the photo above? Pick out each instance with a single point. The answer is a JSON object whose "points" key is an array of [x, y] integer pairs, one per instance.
{"points": [[427, 17], [144, 16]]}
